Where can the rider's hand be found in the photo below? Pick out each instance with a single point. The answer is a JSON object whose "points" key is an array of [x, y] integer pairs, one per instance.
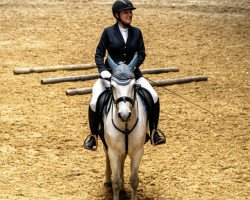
{"points": [[105, 74]]}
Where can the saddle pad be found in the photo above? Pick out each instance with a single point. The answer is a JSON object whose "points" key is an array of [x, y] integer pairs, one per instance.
{"points": [[147, 100], [102, 107]]}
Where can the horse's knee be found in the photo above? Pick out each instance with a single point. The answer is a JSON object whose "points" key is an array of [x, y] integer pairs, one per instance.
{"points": [[117, 184]]}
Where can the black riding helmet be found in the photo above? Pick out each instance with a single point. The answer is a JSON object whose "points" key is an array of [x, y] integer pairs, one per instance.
{"points": [[121, 5]]}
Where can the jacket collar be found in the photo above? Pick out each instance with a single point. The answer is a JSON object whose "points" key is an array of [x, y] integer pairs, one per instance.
{"points": [[119, 35]]}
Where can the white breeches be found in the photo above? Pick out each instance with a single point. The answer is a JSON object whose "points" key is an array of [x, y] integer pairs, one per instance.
{"points": [[145, 84], [101, 84]]}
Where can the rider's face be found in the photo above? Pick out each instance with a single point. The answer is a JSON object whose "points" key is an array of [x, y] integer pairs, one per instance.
{"points": [[126, 16]]}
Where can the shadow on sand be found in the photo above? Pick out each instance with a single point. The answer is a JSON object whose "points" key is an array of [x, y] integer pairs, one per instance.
{"points": [[125, 194]]}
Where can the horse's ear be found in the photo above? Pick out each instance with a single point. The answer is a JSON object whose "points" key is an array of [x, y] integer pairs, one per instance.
{"points": [[112, 64], [133, 62]]}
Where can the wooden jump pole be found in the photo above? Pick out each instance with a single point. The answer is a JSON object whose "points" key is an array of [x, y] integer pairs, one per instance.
{"points": [[160, 83], [69, 79], [95, 76], [179, 81], [53, 68]]}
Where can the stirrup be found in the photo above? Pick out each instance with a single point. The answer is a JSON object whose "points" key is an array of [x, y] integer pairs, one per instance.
{"points": [[161, 134], [96, 141]]}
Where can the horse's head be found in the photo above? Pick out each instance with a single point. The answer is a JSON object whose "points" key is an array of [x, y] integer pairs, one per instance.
{"points": [[123, 87]]}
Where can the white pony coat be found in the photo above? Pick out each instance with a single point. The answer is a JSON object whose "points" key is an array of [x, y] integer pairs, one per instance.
{"points": [[115, 140]]}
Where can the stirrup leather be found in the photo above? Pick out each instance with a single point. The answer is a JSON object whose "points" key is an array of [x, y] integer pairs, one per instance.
{"points": [[96, 141]]}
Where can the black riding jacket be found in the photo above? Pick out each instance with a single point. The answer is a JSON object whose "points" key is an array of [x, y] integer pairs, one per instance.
{"points": [[112, 41]]}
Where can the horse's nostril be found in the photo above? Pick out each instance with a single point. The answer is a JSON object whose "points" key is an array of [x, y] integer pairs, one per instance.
{"points": [[119, 115], [124, 116], [129, 114]]}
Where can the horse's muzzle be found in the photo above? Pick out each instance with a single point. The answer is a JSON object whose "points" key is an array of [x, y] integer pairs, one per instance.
{"points": [[124, 116]]}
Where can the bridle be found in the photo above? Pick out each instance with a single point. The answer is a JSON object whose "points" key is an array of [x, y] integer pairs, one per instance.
{"points": [[132, 101], [125, 99], [124, 73]]}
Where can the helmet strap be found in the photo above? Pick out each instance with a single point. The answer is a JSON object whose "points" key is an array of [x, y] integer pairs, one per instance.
{"points": [[119, 20]]}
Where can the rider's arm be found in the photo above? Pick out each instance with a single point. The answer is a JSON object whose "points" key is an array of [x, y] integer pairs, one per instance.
{"points": [[101, 51], [141, 50]]}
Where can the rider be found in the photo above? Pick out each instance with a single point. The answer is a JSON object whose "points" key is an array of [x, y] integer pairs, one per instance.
{"points": [[121, 41]]}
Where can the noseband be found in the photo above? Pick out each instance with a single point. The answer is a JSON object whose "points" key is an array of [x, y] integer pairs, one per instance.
{"points": [[124, 98]]}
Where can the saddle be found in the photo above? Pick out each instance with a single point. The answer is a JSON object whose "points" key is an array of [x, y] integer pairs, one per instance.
{"points": [[104, 103]]}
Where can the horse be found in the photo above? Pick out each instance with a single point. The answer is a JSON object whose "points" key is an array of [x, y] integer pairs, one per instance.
{"points": [[125, 128]]}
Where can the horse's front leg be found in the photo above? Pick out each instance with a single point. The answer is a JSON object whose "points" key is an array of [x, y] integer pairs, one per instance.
{"points": [[115, 163], [123, 157], [134, 178], [108, 173]]}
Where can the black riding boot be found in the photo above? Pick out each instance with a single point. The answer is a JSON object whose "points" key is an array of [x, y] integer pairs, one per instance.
{"points": [[91, 141], [156, 136]]}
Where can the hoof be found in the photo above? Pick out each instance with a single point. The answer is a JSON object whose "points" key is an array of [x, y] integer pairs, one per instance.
{"points": [[123, 190]]}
